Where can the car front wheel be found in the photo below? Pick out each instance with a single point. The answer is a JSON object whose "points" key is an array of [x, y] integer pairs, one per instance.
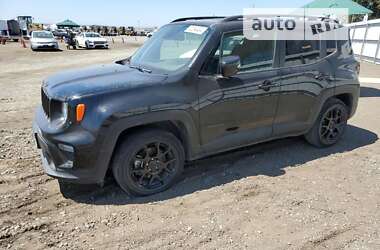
{"points": [[148, 162], [330, 125]]}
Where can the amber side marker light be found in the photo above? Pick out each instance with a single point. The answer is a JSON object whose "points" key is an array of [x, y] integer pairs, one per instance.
{"points": [[81, 108]]}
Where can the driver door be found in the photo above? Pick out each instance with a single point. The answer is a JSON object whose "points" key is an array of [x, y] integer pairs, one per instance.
{"points": [[238, 110]]}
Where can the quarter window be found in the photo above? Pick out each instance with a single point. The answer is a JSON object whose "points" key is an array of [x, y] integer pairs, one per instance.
{"points": [[302, 52]]}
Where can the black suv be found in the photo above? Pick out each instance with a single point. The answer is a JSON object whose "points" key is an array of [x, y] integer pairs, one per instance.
{"points": [[197, 87]]}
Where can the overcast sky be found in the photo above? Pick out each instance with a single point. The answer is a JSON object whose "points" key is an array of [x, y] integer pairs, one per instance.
{"points": [[130, 13]]}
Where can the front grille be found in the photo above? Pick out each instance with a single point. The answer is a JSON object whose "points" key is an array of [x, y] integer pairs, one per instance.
{"points": [[45, 103], [98, 43], [52, 108]]}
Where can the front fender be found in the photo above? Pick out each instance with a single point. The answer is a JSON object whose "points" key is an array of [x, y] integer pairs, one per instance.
{"points": [[116, 124]]}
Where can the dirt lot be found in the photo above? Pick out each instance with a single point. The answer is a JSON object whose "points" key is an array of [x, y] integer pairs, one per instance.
{"points": [[279, 195]]}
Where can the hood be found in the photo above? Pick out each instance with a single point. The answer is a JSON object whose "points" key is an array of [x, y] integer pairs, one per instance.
{"points": [[98, 79], [42, 40], [96, 39]]}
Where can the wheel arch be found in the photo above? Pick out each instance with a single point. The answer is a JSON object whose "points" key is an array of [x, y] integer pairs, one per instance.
{"points": [[175, 127], [348, 94], [347, 99], [178, 122]]}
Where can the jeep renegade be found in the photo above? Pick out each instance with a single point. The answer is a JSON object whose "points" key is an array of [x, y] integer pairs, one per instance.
{"points": [[197, 87]]}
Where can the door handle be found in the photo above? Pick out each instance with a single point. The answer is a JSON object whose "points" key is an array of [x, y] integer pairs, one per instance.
{"points": [[266, 85]]}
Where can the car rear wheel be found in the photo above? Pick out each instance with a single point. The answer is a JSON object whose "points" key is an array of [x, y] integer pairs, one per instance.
{"points": [[148, 162], [330, 125]]}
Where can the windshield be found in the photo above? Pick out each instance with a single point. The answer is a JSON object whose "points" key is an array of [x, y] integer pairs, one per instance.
{"points": [[43, 35], [171, 48], [92, 35]]}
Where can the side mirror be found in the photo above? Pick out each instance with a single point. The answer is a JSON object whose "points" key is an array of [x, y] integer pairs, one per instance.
{"points": [[230, 65]]}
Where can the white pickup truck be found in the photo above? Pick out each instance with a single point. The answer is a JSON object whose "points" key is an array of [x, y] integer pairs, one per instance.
{"points": [[90, 40]]}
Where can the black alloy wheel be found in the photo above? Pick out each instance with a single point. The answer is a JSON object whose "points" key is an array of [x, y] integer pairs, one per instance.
{"points": [[153, 166], [148, 162], [332, 124]]}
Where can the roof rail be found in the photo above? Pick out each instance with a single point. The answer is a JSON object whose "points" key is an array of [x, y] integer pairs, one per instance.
{"points": [[197, 18], [233, 18]]}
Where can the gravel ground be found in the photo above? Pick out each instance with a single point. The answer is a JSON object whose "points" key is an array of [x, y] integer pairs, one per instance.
{"points": [[279, 195]]}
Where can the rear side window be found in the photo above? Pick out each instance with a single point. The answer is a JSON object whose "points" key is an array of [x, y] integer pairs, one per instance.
{"points": [[300, 52]]}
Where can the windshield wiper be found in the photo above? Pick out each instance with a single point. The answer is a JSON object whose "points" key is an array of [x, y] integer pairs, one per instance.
{"points": [[139, 68]]}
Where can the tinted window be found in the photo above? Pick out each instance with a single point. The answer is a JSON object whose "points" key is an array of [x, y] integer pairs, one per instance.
{"points": [[254, 54], [302, 52]]}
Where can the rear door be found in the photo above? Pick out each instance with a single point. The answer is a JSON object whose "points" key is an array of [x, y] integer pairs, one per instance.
{"points": [[239, 110], [305, 73]]}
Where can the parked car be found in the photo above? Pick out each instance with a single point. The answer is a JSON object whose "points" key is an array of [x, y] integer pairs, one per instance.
{"points": [[91, 40], [182, 96], [43, 40], [60, 33]]}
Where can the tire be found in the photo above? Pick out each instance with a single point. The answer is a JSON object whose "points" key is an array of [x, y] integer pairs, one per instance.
{"points": [[140, 170], [330, 125]]}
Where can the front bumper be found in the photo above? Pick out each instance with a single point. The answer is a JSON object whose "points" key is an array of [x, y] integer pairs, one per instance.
{"points": [[71, 156], [93, 45], [44, 46]]}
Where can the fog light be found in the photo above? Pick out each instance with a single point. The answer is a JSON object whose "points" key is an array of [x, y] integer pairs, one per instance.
{"points": [[67, 165]]}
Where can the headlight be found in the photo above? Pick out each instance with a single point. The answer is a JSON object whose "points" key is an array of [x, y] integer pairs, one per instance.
{"points": [[65, 110], [62, 119]]}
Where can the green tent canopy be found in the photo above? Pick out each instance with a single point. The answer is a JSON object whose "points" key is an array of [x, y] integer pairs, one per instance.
{"points": [[353, 8], [67, 24]]}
